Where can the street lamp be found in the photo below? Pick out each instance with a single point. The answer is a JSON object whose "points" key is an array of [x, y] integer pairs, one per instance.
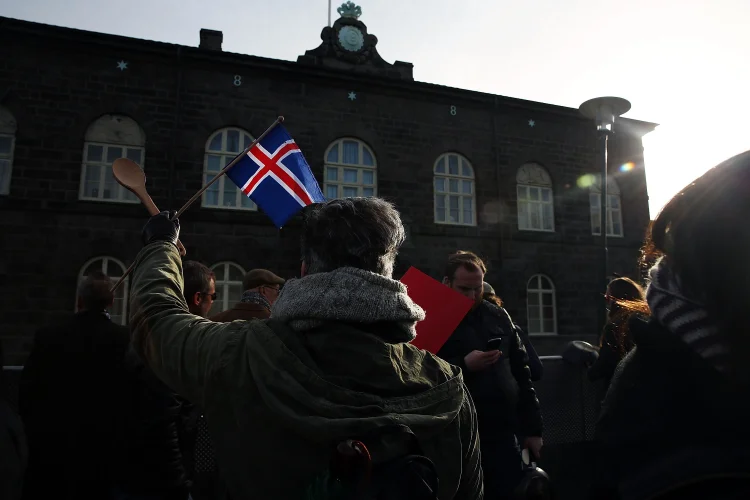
{"points": [[604, 110]]}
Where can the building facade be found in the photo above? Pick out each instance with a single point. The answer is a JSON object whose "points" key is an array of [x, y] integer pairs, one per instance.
{"points": [[516, 181]]}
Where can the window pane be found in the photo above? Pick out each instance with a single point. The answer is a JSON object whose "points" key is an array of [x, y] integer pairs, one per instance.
{"points": [[5, 141], [212, 193], [549, 316], [332, 192], [368, 177], [453, 200], [466, 187], [94, 153], [215, 144], [235, 274], [111, 187], [467, 204], [547, 299], [453, 164], [234, 294], [350, 175], [233, 141], [367, 157], [246, 141], [523, 216], [440, 202], [351, 153], [113, 153], [534, 194], [595, 221], [468, 217], [439, 184], [350, 192], [534, 221], [230, 193], [533, 299], [593, 200], [546, 194], [332, 174], [246, 202], [453, 213], [465, 169], [135, 155], [91, 181], [614, 201], [521, 192], [333, 154], [440, 167], [534, 326], [453, 185], [547, 217], [368, 192], [616, 228], [213, 164]]}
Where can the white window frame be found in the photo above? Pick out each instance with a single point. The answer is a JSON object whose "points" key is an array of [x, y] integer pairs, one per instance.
{"points": [[447, 193], [123, 195], [222, 286], [537, 290], [613, 214], [124, 288], [533, 178], [224, 180], [339, 166]]}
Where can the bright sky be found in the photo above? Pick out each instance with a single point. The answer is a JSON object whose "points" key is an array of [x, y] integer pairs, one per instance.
{"points": [[681, 63]]}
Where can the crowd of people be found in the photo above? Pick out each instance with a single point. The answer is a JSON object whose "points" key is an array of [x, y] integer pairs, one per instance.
{"points": [[310, 388]]}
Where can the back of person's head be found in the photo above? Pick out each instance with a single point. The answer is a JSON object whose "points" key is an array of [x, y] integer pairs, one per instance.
{"points": [[704, 235], [197, 278], [95, 292], [260, 277], [465, 259], [365, 233]]}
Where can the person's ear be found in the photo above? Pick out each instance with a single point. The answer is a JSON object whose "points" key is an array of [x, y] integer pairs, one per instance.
{"points": [[197, 298], [303, 270]]}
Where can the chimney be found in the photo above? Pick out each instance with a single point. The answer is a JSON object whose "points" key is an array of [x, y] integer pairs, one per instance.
{"points": [[211, 39]]}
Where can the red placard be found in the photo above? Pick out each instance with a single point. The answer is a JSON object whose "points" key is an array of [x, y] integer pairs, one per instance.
{"points": [[444, 309]]}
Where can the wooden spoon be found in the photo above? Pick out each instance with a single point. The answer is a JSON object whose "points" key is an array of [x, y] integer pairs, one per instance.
{"points": [[130, 176]]}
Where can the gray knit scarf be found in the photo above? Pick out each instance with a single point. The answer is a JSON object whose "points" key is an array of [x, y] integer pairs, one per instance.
{"points": [[347, 295], [255, 298], [684, 316]]}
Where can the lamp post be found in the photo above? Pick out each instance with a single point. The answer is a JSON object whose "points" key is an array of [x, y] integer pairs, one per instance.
{"points": [[604, 110]]}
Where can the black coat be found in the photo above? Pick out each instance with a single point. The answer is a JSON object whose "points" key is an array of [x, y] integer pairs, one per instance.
{"points": [[70, 399], [151, 463], [503, 394], [669, 418]]}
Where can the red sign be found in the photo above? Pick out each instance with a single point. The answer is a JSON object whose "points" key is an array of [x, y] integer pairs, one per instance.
{"points": [[444, 309]]}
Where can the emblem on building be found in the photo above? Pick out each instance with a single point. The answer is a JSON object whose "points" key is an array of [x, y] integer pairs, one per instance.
{"points": [[348, 9]]}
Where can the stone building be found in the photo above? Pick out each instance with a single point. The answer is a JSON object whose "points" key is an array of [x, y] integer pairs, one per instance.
{"points": [[513, 180]]}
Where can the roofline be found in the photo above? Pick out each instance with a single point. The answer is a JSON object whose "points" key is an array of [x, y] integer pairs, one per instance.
{"points": [[211, 56]]}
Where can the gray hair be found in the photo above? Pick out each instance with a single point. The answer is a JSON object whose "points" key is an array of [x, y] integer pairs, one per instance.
{"points": [[365, 233], [95, 291]]}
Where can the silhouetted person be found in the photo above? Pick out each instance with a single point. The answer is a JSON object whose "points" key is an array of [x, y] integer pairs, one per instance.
{"points": [[71, 396]]}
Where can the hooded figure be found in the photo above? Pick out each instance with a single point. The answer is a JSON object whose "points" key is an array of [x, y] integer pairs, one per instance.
{"points": [[333, 362]]}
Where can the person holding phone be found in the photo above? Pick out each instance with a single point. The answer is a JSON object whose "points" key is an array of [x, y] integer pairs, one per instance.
{"points": [[487, 348]]}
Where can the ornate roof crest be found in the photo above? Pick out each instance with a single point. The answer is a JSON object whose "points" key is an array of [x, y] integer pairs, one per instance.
{"points": [[348, 9]]}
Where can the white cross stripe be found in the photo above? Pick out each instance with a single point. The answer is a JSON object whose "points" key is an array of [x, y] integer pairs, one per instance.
{"points": [[279, 163]]}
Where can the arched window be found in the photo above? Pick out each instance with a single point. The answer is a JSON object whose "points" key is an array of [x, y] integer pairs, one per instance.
{"points": [[7, 146], [350, 170], [107, 139], [535, 204], [228, 286], [454, 190], [540, 305], [614, 207], [221, 148], [114, 269]]}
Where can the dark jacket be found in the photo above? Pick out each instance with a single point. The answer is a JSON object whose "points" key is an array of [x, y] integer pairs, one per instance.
{"points": [[536, 368], [277, 400], [242, 310], [503, 394], [151, 464], [670, 419], [70, 399], [14, 452]]}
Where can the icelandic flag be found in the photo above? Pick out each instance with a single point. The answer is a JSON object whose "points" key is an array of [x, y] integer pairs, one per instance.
{"points": [[275, 175]]}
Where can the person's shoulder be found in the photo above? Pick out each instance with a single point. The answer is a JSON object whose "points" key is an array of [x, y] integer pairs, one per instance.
{"points": [[496, 312]]}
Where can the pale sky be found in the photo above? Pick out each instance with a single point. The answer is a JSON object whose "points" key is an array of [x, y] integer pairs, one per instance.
{"points": [[681, 63]]}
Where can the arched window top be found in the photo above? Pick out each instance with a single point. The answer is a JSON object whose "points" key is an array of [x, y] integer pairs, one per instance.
{"points": [[7, 122], [533, 174], [229, 140], [540, 282], [114, 269], [612, 186], [116, 129], [349, 151], [453, 165], [228, 286]]}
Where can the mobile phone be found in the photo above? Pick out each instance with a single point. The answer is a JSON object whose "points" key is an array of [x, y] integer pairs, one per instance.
{"points": [[495, 344]]}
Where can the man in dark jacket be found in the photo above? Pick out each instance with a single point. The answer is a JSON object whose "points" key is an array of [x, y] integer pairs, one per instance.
{"points": [[497, 378], [261, 289], [332, 364], [70, 399]]}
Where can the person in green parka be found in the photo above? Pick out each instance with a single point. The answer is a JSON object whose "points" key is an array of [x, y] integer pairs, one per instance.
{"points": [[333, 362]]}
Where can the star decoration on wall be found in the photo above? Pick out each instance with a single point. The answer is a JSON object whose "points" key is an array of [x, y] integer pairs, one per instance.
{"points": [[122, 65], [352, 96], [532, 123]]}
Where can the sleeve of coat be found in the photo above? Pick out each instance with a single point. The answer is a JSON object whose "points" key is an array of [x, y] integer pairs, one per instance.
{"points": [[535, 364], [605, 365], [472, 479], [454, 351], [185, 351], [529, 411]]}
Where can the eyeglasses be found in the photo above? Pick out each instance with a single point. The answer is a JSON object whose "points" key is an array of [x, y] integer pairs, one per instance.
{"points": [[212, 295]]}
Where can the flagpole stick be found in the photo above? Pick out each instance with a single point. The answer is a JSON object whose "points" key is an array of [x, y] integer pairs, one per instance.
{"points": [[197, 195], [232, 163]]}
